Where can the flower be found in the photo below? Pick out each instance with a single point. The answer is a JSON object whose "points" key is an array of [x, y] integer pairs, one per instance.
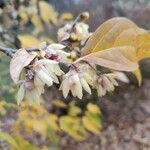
{"points": [[76, 79], [30, 92], [45, 73], [55, 51], [80, 32], [107, 82], [63, 33]]}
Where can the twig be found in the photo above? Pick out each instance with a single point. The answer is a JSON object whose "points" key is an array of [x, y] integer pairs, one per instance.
{"points": [[32, 49], [7, 51], [10, 52], [78, 18]]}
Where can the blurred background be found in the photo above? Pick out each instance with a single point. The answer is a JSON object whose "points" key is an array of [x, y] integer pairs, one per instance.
{"points": [[125, 113]]}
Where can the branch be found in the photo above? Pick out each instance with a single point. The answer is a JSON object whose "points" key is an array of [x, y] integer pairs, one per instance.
{"points": [[10, 52], [80, 17], [7, 51]]}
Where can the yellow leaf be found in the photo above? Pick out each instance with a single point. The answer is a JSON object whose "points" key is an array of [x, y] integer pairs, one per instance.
{"points": [[37, 23], [52, 121], [9, 139], [74, 110], [118, 32], [116, 58], [59, 103], [143, 48], [93, 108], [72, 126], [24, 144], [66, 16], [28, 41], [23, 15], [128, 37], [40, 126], [90, 125], [138, 75], [47, 12], [105, 36]]}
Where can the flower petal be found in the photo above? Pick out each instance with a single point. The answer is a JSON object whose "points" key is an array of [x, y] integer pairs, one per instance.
{"points": [[78, 87], [65, 87], [20, 94], [85, 85]]}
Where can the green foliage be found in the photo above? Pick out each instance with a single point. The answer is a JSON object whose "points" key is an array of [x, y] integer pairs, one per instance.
{"points": [[17, 142], [36, 120], [6, 84]]}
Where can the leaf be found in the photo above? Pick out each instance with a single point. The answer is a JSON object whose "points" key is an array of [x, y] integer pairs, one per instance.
{"points": [[92, 123], [20, 60], [72, 126], [140, 39], [138, 75], [105, 36], [128, 37], [66, 16], [28, 41], [37, 23], [47, 12], [59, 104], [143, 48], [52, 121], [24, 144], [9, 139], [74, 110], [22, 13], [93, 108], [116, 58]]}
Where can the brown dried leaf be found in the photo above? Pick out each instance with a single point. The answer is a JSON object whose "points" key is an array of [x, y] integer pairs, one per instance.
{"points": [[20, 60], [116, 58]]}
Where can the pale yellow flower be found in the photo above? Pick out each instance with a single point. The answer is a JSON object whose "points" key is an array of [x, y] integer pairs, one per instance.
{"points": [[57, 49], [63, 33], [82, 31], [106, 83], [28, 91], [79, 33], [76, 79], [46, 72]]}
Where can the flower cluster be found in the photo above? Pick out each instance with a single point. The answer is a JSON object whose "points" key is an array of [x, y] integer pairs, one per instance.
{"points": [[45, 73], [44, 69], [53, 51], [84, 77], [75, 80], [80, 32]]}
